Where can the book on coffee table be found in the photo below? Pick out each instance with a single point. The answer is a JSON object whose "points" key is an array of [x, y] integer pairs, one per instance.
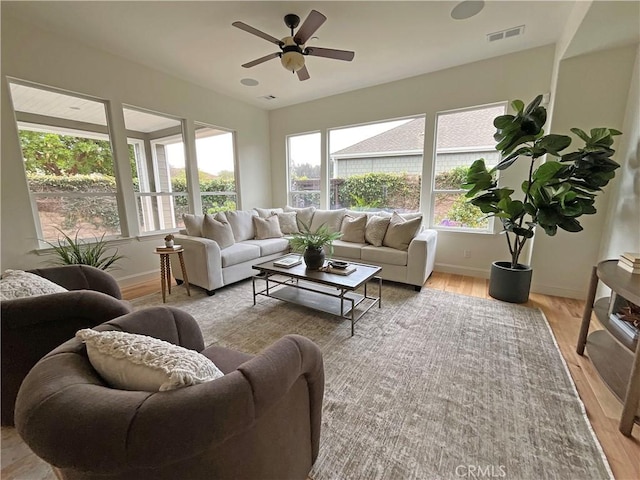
{"points": [[288, 262], [340, 271]]}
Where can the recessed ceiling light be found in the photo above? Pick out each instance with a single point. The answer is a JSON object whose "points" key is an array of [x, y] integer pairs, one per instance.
{"points": [[249, 82], [467, 9]]}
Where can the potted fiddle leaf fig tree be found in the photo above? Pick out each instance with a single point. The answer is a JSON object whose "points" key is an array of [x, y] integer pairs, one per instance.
{"points": [[553, 195]]}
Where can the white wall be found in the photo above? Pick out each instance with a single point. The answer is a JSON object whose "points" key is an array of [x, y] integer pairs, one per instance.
{"points": [[32, 54], [591, 92], [522, 75]]}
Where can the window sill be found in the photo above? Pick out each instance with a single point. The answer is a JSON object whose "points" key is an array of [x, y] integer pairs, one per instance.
{"points": [[462, 230]]}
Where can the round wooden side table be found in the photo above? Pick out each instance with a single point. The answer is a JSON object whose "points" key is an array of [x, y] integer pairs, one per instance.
{"points": [[165, 270]]}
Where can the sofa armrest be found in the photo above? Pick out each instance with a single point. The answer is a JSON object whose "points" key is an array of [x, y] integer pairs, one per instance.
{"points": [[202, 260], [81, 277], [421, 257]]}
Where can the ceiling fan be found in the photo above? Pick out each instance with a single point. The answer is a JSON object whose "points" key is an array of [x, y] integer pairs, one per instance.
{"points": [[293, 49]]}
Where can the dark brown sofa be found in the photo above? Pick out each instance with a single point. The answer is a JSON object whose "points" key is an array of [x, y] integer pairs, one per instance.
{"points": [[260, 421], [33, 326]]}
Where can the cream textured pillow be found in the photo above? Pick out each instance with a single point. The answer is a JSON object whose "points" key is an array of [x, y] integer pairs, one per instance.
{"points": [[19, 284], [267, 212], [137, 362], [242, 224], [304, 215], [193, 224], [331, 218], [353, 228], [267, 227], [401, 232], [218, 230], [375, 230], [288, 223]]}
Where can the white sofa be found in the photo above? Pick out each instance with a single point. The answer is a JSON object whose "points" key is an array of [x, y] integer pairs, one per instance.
{"points": [[211, 266]]}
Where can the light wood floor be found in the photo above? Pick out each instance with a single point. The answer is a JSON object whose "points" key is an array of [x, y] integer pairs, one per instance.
{"points": [[564, 315]]}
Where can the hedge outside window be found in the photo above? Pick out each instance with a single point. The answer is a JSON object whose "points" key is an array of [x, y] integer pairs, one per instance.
{"points": [[68, 161]]}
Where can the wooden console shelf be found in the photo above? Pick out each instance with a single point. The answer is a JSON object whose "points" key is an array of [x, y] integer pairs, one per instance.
{"points": [[613, 352]]}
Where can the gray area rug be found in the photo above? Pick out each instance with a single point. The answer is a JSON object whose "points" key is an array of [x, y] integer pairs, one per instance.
{"points": [[434, 385]]}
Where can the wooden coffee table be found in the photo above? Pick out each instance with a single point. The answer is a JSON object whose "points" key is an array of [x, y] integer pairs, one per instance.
{"points": [[320, 290]]}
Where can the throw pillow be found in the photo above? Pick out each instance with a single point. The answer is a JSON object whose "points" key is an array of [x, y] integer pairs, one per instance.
{"points": [[267, 227], [241, 224], [193, 224], [401, 232], [288, 223], [19, 284], [375, 230], [130, 361], [353, 228], [331, 218], [267, 212], [215, 228], [304, 215]]}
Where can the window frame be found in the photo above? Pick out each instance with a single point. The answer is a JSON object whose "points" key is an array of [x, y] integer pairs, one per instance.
{"points": [[323, 174]]}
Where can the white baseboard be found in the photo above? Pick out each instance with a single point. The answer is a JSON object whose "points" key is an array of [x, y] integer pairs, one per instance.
{"points": [[144, 277], [557, 291], [458, 270]]}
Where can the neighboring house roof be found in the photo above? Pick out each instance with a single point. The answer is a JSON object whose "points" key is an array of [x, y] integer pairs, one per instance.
{"points": [[467, 128], [403, 138]]}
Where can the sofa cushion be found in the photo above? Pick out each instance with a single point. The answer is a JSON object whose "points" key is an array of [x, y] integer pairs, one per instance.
{"points": [[238, 253], [270, 245], [331, 218], [242, 224], [267, 212], [219, 230], [193, 224], [303, 215], [377, 255], [376, 229], [267, 227], [128, 361], [288, 223], [347, 249], [401, 232], [353, 228], [19, 284]]}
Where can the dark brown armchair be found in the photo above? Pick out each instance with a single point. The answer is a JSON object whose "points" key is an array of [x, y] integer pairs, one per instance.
{"points": [[261, 420], [33, 326]]}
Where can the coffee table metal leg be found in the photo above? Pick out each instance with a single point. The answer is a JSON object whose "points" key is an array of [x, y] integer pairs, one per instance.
{"points": [[379, 292]]}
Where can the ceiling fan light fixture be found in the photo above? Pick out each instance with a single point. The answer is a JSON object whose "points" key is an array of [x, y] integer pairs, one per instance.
{"points": [[292, 61]]}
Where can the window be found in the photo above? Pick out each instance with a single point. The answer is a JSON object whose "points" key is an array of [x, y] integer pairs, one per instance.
{"points": [[303, 154], [216, 168], [462, 137], [377, 166], [68, 162], [157, 152]]}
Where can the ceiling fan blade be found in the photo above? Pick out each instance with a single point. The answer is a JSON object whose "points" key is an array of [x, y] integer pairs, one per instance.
{"points": [[309, 27], [255, 31], [261, 60], [303, 74], [345, 55]]}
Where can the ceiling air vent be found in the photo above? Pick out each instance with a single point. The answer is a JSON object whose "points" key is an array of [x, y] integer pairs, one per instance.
{"points": [[268, 97], [508, 33]]}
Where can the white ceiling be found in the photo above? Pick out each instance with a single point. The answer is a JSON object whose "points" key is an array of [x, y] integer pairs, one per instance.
{"points": [[392, 40]]}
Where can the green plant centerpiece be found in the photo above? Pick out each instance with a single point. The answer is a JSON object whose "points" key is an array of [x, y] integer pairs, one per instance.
{"points": [[555, 193], [75, 251], [311, 244]]}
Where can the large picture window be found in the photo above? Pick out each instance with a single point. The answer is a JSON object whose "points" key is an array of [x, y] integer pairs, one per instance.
{"points": [[377, 166], [68, 162], [462, 136], [303, 155], [158, 165], [215, 151]]}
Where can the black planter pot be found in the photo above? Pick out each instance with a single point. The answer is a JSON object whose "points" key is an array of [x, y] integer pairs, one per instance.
{"points": [[510, 284], [314, 258]]}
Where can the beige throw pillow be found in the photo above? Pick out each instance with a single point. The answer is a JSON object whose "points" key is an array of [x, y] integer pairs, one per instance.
{"points": [[288, 223], [375, 230], [193, 224], [304, 215], [353, 228], [267, 212], [138, 362], [19, 284], [242, 224], [401, 232], [267, 227], [332, 219], [218, 229]]}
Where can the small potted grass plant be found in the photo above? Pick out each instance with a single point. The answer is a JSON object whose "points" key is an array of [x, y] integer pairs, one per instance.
{"points": [[311, 244]]}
